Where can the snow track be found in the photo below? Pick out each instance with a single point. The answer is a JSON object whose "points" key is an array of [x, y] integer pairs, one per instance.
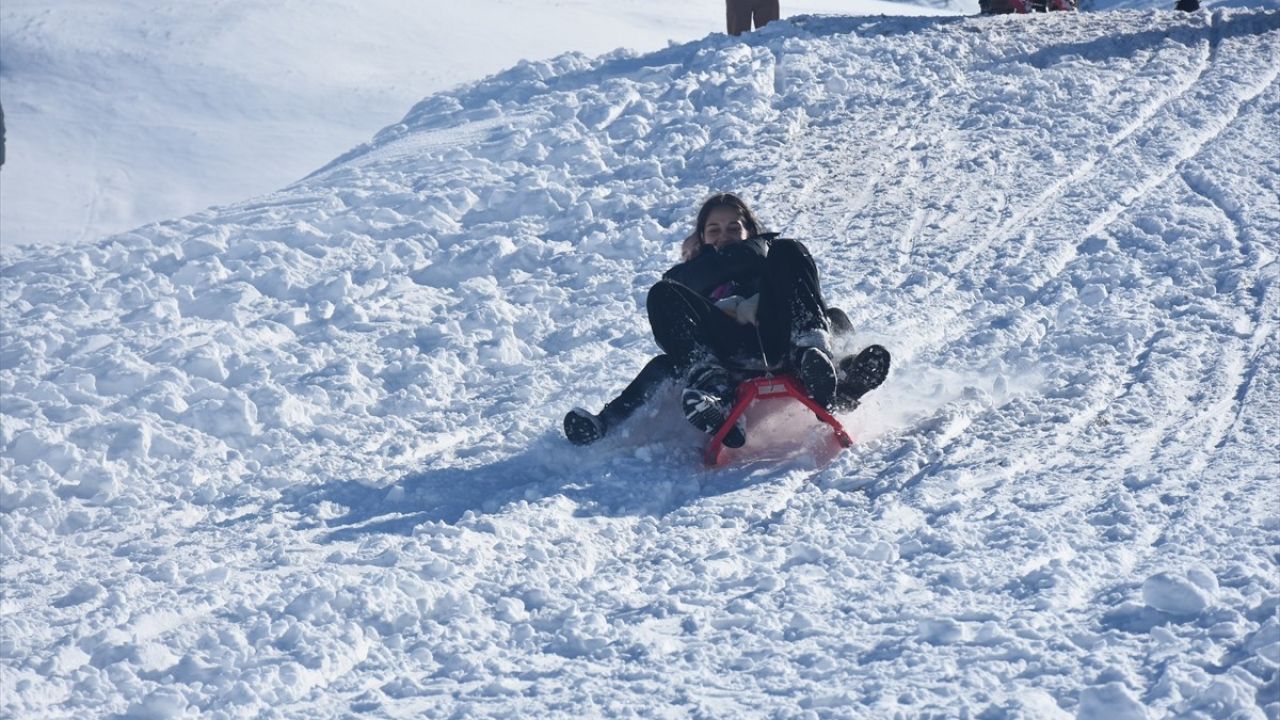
{"points": [[300, 456]]}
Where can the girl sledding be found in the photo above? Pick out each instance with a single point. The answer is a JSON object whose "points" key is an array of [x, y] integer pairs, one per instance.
{"points": [[743, 303]]}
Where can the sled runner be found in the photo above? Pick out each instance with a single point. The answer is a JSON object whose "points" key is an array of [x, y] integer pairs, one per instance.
{"points": [[762, 388]]}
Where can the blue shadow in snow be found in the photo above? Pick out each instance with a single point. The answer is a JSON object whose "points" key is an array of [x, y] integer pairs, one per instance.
{"points": [[601, 480], [1126, 44]]}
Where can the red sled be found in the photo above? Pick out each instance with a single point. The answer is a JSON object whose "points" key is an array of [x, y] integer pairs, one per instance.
{"points": [[763, 388]]}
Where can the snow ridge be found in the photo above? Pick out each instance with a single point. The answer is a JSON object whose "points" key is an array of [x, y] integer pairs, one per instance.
{"points": [[299, 456]]}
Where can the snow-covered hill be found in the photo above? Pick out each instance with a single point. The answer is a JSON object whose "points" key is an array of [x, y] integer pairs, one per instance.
{"points": [[299, 456], [128, 112]]}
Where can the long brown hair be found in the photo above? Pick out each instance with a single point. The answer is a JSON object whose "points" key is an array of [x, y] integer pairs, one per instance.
{"points": [[733, 202]]}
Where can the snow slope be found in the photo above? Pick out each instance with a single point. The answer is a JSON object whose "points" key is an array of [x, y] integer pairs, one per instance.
{"points": [[134, 111], [299, 456]]}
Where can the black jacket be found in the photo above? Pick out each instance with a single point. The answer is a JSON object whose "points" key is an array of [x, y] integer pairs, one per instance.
{"points": [[739, 266]]}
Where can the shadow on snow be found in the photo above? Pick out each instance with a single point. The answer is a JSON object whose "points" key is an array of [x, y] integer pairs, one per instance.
{"points": [[616, 477]]}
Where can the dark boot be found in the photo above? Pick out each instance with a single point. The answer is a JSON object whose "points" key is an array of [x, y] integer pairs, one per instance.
{"points": [[582, 428], [860, 374], [818, 374], [839, 321], [708, 400]]}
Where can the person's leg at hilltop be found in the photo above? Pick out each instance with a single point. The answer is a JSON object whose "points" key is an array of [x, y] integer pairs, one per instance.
{"points": [[737, 16], [765, 12]]}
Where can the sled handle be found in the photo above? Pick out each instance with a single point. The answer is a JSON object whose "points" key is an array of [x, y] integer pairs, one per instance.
{"points": [[769, 387]]}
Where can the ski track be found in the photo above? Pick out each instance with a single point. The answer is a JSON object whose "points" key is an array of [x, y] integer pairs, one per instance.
{"points": [[299, 456], [1051, 210]]}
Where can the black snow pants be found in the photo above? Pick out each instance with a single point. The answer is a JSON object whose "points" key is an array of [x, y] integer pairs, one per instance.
{"points": [[654, 374], [691, 330]]}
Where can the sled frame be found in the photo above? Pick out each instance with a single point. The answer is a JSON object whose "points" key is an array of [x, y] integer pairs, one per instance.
{"points": [[764, 388]]}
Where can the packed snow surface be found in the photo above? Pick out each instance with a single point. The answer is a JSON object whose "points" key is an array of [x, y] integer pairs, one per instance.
{"points": [[300, 456]]}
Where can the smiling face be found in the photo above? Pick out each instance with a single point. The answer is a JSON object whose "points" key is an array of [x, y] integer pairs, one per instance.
{"points": [[724, 227]]}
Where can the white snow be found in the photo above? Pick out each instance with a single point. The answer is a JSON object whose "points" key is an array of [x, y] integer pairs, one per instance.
{"points": [[299, 455], [127, 112]]}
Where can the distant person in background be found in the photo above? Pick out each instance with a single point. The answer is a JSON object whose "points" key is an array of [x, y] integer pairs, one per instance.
{"points": [[740, 14], [1003, 7]]}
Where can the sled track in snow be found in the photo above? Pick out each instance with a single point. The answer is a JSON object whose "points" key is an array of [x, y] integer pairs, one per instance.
{"points": [[1059, 207], [1160, 445], [1055, 212]]}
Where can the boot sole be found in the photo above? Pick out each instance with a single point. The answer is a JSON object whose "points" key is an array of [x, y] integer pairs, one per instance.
{"points": [[580, 430], [819, 376], [864, 372]]}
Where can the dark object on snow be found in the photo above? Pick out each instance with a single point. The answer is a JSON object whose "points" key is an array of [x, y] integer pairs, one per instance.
{"points": [[840, 322], [1187, 5], [581, 427], [1005, 7], [740, 13], [1001, 7], [707, 401], [860, 374]]}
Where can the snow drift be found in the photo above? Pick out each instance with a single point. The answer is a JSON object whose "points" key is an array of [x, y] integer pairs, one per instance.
{"points": [[300, 456]]}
